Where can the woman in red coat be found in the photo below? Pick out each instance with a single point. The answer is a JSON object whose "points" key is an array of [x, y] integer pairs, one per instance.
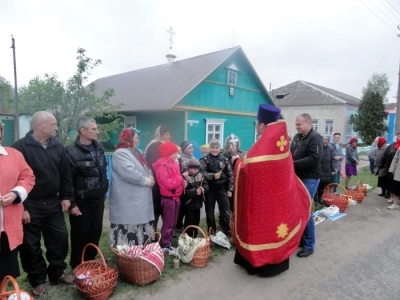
{"points": [[16, 181]]}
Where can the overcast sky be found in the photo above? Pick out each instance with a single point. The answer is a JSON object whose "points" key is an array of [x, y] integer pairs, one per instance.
{"points": [[337, 44]]}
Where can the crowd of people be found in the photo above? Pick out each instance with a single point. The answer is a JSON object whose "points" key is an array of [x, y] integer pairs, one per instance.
{"points": [[45, 180]]}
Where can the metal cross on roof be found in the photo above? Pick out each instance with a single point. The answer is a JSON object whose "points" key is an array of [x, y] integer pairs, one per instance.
{"points": [[171, 32]]}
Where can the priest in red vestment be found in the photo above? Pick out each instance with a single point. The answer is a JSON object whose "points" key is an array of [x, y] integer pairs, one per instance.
{"points": [[271, 204]]}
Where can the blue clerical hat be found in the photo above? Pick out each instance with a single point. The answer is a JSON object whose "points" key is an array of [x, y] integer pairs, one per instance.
{"points": [[268, 114]]}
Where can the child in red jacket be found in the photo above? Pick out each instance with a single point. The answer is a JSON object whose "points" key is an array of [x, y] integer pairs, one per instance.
{"points": [[171, 184]]}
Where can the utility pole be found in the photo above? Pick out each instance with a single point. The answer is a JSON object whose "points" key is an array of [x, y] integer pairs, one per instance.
{"points": [[16, 127]]}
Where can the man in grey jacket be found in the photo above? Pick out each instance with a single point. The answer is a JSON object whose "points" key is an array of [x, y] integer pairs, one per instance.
{"points": [[338, 157]]}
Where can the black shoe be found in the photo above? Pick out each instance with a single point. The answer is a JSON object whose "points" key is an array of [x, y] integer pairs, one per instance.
{"points": [[305, 253], [381, 194], [387, 196]]}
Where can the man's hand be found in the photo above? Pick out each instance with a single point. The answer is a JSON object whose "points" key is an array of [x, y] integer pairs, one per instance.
{"points": [[75, 211], [8, 199], [26, 217], [217, 175], [356, 162], [65, 205], [336, 157], [185, 184], [229, 194], [199, 191], [333, 173]]}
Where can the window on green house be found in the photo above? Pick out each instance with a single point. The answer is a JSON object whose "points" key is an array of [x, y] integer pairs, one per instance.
{"points": [[232, 76], [214, 130]]}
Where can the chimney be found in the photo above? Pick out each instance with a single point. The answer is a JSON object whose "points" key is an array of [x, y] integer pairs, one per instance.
{"points": [[170, 56]]}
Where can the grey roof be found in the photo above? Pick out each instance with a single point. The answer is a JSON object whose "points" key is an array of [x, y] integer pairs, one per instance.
{"points": [[161, 87], [302, 93]]}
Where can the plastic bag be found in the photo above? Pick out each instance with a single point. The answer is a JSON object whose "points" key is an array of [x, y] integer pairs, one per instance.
{"points": [[330, 211], [221, 240]]}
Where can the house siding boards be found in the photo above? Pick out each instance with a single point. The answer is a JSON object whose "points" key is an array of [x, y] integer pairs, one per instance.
{"points": [[213, 92], [242, 126]]}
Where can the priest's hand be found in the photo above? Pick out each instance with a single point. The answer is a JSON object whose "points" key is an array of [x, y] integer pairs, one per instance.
{"points": [[65, 205], [75, 211], [8, 199], [229, 194], [26, 217], [217, 175]]}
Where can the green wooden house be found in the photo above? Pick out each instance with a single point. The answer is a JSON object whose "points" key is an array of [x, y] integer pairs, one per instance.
{"points": [[199, 98]]}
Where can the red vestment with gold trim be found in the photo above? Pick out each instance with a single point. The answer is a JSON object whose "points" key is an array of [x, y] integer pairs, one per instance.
{"points": [[272, 206]]}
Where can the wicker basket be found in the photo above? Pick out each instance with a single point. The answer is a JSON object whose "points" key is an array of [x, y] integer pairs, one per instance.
{"points": [[135, 270], [356, 195], [4, 294], [202, 254], [341, 201], [101, 280], [361, 188]]}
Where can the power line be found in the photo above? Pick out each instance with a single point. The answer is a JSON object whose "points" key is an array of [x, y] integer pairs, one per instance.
{"points": [[379, 17], [391, 11], [383, 13], [381, 60], [393, 7]]}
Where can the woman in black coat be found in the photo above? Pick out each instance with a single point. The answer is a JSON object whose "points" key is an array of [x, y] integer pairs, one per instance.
{"points": [[328, 168]]}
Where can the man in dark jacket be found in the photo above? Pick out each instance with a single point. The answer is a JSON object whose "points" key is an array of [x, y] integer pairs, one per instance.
{"points": [[44, 207], [217, 170], [89, 175], [306, 148]]}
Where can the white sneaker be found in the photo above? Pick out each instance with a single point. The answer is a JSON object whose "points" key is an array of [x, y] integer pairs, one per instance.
{"points": [[390, 200], [394, 206]]}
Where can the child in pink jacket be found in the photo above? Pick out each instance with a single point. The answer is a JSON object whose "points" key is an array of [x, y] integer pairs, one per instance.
{"points": [[171, 184]]}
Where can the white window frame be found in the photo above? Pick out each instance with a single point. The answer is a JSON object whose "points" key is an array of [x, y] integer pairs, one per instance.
{"points": [[231, 76], [315, 126], [129, 121], [218, 122], [329, 133]]}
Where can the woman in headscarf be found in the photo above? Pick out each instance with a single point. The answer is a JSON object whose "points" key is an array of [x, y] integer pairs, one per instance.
{"points": [[186, 155], [351, 160], [395, 185], [380, 167], [232, 148], [131, 204], [388, 157]]}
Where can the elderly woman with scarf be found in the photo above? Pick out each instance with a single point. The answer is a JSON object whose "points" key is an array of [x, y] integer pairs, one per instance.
{"points": [[131, 204], [351, 160], [186, 155], [379, 169], [388, 157]]}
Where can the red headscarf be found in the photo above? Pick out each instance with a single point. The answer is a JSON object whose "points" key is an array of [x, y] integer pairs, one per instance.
{"points": [[381, 142], [126, 141], [397, 145], [352, 140]]}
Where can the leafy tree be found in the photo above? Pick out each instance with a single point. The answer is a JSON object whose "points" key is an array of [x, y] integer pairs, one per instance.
{"points": [[369, 121], [378, 83], [6, 94], [70, 101]]}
